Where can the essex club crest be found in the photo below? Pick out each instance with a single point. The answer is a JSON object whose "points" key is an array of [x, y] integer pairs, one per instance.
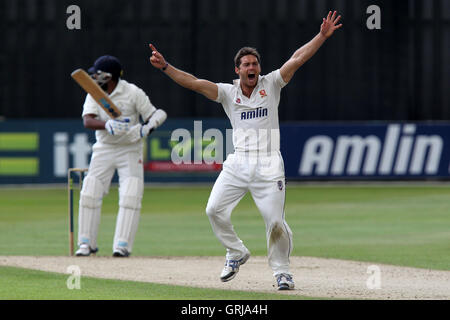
{"points": [[280, 185]]}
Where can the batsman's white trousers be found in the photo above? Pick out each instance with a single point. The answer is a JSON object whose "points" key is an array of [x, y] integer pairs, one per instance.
{"points": [[264, 177], [128, 162]]}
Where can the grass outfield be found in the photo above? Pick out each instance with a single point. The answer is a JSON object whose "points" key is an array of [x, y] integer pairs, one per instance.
{"points": [[18, 284], [392, 224]]}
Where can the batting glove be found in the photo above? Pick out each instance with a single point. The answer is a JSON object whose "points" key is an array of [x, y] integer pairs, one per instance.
{"points": [[117, 127], [139, 131], [134, 134], [157, 119]]}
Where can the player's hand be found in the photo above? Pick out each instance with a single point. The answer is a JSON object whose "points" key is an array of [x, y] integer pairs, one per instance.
{"points": [[137, 132], [146, 130], [117, 127], [329, 24], [157, 60], [134, 134], [157, 119]]}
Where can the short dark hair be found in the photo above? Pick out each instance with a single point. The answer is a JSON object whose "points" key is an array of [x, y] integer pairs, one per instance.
{"points": [[245, 51]]}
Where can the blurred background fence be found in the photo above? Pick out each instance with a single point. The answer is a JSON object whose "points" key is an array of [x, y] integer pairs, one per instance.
{"points": [[400, 72]]}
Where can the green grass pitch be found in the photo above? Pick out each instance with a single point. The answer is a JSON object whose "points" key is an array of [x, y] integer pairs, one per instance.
{"points": [[392, 224]]}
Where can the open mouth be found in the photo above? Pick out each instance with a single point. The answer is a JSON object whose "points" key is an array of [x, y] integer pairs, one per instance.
{"points": [[252, 76]]}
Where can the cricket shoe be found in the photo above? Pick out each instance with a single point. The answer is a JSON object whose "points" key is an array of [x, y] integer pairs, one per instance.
{"points": [[85, 250], [232, 268], [285, 281], [121, 253]]}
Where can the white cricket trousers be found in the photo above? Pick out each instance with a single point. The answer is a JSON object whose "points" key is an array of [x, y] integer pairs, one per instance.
{"points": [[106, 159], [264, 177]]}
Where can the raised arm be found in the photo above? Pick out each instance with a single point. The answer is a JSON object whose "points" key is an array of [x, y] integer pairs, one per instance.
{"points": [[207, 88], [304, 53]]}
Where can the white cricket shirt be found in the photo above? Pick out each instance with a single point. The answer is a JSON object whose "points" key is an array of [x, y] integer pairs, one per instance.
{"points": [[131, 101], [254, 120]]}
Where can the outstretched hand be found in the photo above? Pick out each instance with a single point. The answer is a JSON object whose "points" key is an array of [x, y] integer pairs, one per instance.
{"points": [[157, 60], [329, 24]]}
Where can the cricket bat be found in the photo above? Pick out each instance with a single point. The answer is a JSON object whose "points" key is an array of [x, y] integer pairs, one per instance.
{"points": [[91, 87]]}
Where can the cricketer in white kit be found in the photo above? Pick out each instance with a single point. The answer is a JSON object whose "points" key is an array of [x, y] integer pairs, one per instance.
{"points": [[119, 146], [251, 104]]}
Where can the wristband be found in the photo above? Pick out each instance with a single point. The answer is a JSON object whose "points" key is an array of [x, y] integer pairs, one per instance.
{"points": [[165, 67]]}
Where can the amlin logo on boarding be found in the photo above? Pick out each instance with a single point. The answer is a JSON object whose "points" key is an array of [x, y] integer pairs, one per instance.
{"points": [[402, 152]]}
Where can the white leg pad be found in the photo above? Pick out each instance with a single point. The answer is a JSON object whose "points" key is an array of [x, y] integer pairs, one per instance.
{"points": [[131, 192], [89, 211]]}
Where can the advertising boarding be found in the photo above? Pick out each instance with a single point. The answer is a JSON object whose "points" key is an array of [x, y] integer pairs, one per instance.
{"points": [[191, 150]]}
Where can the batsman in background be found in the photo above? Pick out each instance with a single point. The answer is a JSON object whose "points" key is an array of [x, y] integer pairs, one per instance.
{"points": [[251, 103], [119, 145]]}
